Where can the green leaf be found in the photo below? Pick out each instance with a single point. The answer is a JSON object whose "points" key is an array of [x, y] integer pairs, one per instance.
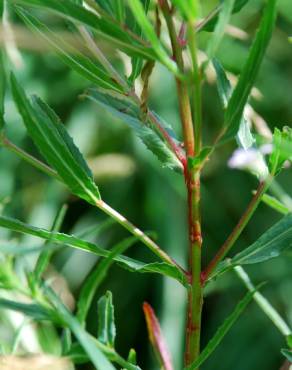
{"points": [[126, 111], [55, 144], [289, 340], [149, 32], [218, 34], [287, 353], [270, 245], [249, 73], [94, 353], [2, 90], [33, 310], [92, 71], [198, 160], [222, 331], [106, 30], [244, 136], [282, 143], [275, 204], [212, 21], [189, 9], [70, 240], [106, 320], [97, 275]]}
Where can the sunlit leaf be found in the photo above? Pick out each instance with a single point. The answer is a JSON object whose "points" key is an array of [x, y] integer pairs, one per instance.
{"points": [[282, 144], [2, 90]]}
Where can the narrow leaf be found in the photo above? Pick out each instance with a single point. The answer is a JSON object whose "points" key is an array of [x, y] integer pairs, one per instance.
{"points": [[189, 9], [156, 338], [275, 204], [264, 304], [70, 240], [105, 29], [33, 310], [106, 320], [126, 111], [94, 353], [55, 144], [249, 73], [282, 152], [270, 245], [222, 331], [244, 136], [98, 274], [92, 71]]}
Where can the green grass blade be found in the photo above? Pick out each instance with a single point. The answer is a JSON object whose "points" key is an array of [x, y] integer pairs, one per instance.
{"points": [[106, 320], [149, 32], [92, 71], [249, 73], [55, 144], [222, 331], [70, 240], [96, 277]]}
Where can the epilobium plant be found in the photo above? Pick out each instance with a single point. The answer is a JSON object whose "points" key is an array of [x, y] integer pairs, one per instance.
{"points": [[145, 33]]}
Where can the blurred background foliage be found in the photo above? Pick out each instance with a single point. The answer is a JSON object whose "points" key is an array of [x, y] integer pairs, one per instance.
{"points": [[132, 181]]}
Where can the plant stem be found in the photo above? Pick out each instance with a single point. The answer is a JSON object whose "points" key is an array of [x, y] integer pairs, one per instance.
{"points": [[229, 243], [192, 141]]}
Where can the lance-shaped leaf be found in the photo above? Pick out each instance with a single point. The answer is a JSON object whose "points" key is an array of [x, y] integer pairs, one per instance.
{"points": [[55, 144], [270, 245], [287, 353], [106, 320], [72, 241], [126, 111], [249, 73], [105, 29], [92, 71], [156, 338], [244, 135], [222, 331], [275, 204], [189, 9]]}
